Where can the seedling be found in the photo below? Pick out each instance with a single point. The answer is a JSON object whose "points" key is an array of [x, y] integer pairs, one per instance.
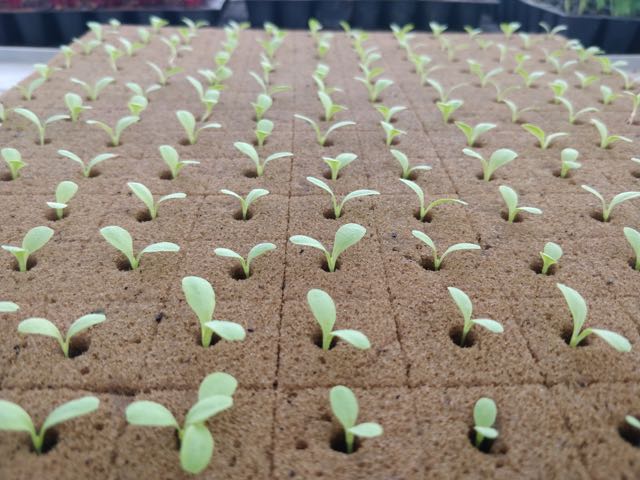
{"points": [[34, 240], [529, 78], [344, 406], [119, 238], [568, 156], [115, 133], [472, 133], [13, 159], [262, 105], [338, 163], [607, 65], [157, 23], [93, 91], [44, 70], [443, 95], [498, 158], [477, 70], [375, 88], [130, 48], [527, 40], [250, 151], [619, 198], [87, 169], [607, 140], [209, 98], [68, 53], [608, 96], [144, 194], [559, 87], [437, 29], [437, 261], [550, 256], [389, 112], [40, 126], [215, 395], [501, 93], [424, 210], [8, 307], [559, 66], [509, 28], [14, 418], [42, 326], [330, 108], [628, 81], [87, 47], [338, 206], [74, 104], [322, 139], [188, 122], [28, 90], [633, 237], [164, 75], [269, 90], [65, 191], [544, 140], [137, 104], [510, 198], [407, 169], [578, 308], [447, 108], [484, 417], [635, 99], [114, 54], [254, 253], [346, 236], [263, 129], [552, 32], [96, 29], [391, 132], [202, 300], [586, 80], [463, 303], [245, 202], [516, 112], [142, 92], [172, 159], [573, 115]]}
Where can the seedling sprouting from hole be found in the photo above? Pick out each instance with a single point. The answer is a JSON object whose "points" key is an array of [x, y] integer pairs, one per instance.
{"points": [[578, 308], [529, 78], [164, 75], [633, 237], [447, 108], [389, 112], [573, 115], [498, 158], [202, 300], [607, 140], [375, 87], [509, 28], [407, 169], [116, 132], [344, 406], [324, 311], [172, 159], [250, 151], [320, 137], [338, 206], [13, 159], [559, 87], [443, 95], [510, 198], [68, 54], [87, 47], [142, 92], [608, 96], [346, 236], [86, 169], [437, 261], [544, 140], [330, 108], [93, 91], [586, 80], [552, 32], [263, 129], [619, 198], [42, 326], [114, 54], [246, 202], [28, 91], [484, 77], [34, 240], [254, 253], [209, 97], [437, 29], [484, 417], [391, 132], [472, 133], [550, 256], [215, 395], [463, 303], [516, 112], [8, 307], [14, 418], [144, 194], [338, 163], [65, 191], [40, 126], [635, 99], [157, 23], [73, 102], [262, 104], [119, 238], [424, 209], [501, 92], [188, 122], [568, 157]]}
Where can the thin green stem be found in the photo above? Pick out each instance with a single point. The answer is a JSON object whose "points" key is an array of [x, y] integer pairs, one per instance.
{"points": [[206, 335], [349, 438]]}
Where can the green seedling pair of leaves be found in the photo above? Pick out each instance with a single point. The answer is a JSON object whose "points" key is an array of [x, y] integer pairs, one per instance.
{"points": [[338, 163], [74, 104], [568, 158], [510, 197], [250, 151], [320, 137], [424, 209], [618, 199], [93, 91], [145, 195], [116, 133], [65, 191], [88, 168], [344, 406], [544, 140], [437, 261], [463, 303], [484, 418], [407, 169], [472, 133], [338, 206], [34, 240], [245, 202], [172, 159], [498, 158], [550, 256], [119, 238], [254, 253], [607, 140], [13, 159], [188, 122], [41, 126]]}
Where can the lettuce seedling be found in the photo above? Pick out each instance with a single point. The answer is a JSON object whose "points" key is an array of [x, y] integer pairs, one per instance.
{"points": [[437, 261], [34, 240], [529, 77], [559, 87], [87, 47], [164, 75], [346, 236], [87, 169], [516, 112], [573, 115], [607, 140], [254, 253], [172, 159], [14, 418], [28, 90], [137, 104], [501, 93], [550, 256], [619, 198], [262, 104], [338, 206], [96, 29], [68, 54], [628, 81], [8, 307], [202, 300], [559, 66], [119, 238], [113, 53], [437, 29], [633, 237], [93, 91], [209, 98], [552, 32], [73, 102], [330, 108], [578, 308], [142, 92], [263, 129], [215, 395], [188, 122], [484, 417], [322, 139], [407, 169], [463, 303], [608, 97], [157, 23], [447, 108], [443, 95], [569, 157], [115, 133], [40, 126], [424, 210], [586, 80], [324, 311], [130, 48], [269, 90], [472, 133], [65, 191], [391, 132], [13, 159], [389, 112], [477, 70], [509, 28], [344, 406], [375, 88], [42, 326], [544, 140], [498, 159], [338, 163], [144, 194], [246, 202], [635, 99], [510, 198], [250, 151]]}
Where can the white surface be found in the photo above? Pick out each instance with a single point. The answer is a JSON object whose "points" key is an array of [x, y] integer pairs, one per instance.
{"points": [[16, 63]]}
